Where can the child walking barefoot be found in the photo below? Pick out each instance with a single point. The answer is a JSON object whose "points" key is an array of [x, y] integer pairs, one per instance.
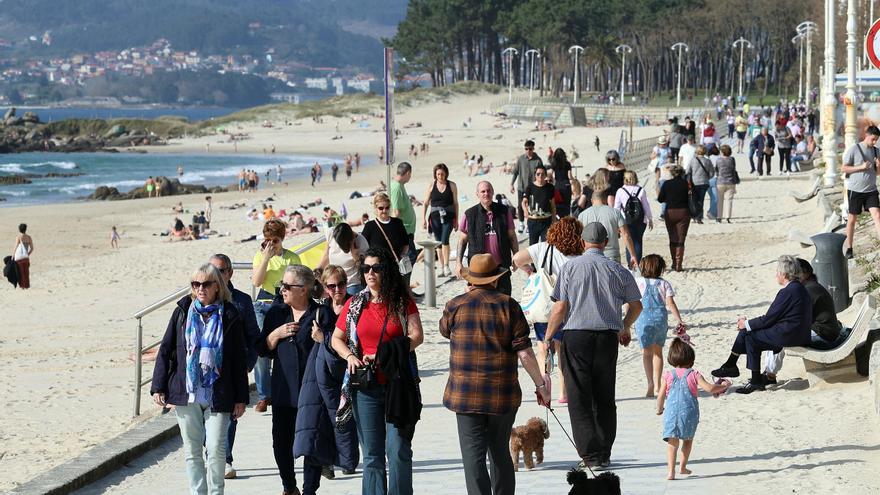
{"points": [[652, 324], [114, 238], [678, 391]]}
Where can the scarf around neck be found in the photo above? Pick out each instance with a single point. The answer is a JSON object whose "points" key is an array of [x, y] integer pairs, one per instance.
{"points": [[204, 345]]}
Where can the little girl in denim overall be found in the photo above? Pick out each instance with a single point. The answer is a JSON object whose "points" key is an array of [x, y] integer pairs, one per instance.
{"points": [[677, 402], [652, 324]]}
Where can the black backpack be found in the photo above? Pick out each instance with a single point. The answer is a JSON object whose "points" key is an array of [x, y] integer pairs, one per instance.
{"points": [[632, 209]]}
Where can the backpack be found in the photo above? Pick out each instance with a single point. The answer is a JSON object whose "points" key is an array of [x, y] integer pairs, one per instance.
{"points": [[632, 209]]}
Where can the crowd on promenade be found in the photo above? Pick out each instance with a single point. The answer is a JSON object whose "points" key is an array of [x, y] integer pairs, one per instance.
{"points": [[333, 347]]}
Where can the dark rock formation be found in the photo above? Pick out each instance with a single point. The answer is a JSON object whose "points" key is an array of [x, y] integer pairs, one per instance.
{"points": [[167, 187], [9, 180]]}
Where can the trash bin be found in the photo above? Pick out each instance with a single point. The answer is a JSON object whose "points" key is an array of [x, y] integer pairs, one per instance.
{"points": [[830, 267]]}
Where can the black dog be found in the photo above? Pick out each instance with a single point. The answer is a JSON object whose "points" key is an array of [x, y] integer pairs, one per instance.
{"points": [[606, 483]]}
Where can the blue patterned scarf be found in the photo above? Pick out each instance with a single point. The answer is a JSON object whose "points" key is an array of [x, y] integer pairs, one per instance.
{"points": [[204, 345]]}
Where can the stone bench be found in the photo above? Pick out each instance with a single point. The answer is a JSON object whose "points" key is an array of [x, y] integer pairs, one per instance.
{"points": [[838, 364], [814, 190], [832, 224]]}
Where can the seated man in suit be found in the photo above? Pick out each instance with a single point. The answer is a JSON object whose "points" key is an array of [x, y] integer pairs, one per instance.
{"points": [[824, 330], [787, 323]]}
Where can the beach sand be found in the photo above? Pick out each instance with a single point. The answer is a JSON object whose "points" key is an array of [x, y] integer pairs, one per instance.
{"points": [[65, 344]]}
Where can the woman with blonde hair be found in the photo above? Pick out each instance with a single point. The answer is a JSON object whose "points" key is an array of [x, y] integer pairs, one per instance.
{"points": [[675, 193], [563, 244], [201, 369], [636, 224]]}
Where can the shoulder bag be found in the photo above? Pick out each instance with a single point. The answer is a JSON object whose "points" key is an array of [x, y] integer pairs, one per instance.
{"points": [[403, 264], [535, 300], [364, 376]]}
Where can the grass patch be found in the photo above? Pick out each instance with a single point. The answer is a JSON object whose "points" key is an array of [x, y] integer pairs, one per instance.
{"points": [[352, 104]]}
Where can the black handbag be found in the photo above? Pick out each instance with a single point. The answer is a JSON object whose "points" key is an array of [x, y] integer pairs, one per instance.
{"points": [[364, 376]]}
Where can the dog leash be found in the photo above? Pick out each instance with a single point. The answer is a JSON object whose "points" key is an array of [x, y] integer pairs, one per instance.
{"points": [[569, 438]]}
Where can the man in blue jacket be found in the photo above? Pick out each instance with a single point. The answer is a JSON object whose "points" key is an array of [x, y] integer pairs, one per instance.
{"points": [[763, 143], [787, 323], [245, 306]]}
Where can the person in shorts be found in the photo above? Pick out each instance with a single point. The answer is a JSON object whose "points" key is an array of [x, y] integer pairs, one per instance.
{"points": [[860, 168]]}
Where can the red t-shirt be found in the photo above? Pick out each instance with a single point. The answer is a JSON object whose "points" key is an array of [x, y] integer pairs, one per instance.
{"points": [[369, 326]]}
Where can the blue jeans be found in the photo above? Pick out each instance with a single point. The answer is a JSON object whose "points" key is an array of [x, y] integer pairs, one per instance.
{"points": [[662, 205], [230, 439], [380, 440], [262, 370], [699, 197], [637, 232], [713, 197], [200, 427]]}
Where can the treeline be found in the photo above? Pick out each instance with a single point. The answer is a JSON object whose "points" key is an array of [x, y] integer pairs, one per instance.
{"points": [[454, 40]]}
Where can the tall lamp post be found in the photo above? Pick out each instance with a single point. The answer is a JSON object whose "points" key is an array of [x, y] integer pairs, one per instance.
{"points": [[532, 54], [623, 50], [678, 46], [743, 43], [829, 123], [576, 50], [808, 29], [851, 129], [799, 41], [510, 51]]}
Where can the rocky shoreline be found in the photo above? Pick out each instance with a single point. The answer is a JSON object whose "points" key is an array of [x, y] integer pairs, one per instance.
{"points": [[26, 133], [167, 187]]}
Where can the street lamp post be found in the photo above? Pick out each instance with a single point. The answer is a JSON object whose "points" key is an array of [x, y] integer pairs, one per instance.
{"points": [[576, 49], [850, 130], [743, 43], [532, 54], [829, 124], [510, 51], [679, 46], [623, 50], [799, 41], [808, 28]]}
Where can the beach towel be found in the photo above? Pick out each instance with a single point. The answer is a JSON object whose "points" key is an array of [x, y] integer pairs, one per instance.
{"points": [[204, 345]]}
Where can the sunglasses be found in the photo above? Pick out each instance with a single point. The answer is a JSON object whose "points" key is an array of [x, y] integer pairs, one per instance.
{"points": [[383, 208], [288, 287], [377, 268], [196, 285], [334, 286]]}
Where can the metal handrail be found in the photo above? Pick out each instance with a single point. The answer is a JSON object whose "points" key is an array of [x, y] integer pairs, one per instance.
{"points": [[139, 348]]}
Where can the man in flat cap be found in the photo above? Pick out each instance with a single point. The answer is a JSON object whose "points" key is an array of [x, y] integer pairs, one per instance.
{"points": [[590, 292]]}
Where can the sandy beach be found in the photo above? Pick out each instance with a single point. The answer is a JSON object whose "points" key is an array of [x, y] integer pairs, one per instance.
{"points": [[65, 344]]}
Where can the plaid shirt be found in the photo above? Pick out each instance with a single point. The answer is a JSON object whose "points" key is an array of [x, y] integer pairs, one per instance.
{"points": [[486, 329]]}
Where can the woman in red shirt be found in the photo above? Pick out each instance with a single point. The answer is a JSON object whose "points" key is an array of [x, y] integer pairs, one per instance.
{"points": [[384, 304]]}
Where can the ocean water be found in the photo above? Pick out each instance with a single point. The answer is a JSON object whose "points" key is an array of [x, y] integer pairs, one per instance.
{"points": [[127, 171], [54, 114]]}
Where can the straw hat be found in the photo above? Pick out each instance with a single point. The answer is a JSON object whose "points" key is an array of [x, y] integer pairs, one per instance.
{"points": [[483, 270]]}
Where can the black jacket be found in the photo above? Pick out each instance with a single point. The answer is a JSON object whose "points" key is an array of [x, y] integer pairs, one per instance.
{"points": [[290, 356], [169, 375], [403, 402], [477, 223], [10, 271]]}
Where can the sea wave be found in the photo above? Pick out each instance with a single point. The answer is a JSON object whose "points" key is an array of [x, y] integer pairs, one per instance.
{"points": [[123, 186], [232, 172], [6, 192], [19, 168]]}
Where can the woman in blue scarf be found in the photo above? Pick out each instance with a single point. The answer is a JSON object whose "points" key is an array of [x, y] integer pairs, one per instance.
{"points": [[201, 369]]}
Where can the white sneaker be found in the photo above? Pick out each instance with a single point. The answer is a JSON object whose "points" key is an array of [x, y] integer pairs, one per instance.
{"points": [[443, 271], [230, 472]]}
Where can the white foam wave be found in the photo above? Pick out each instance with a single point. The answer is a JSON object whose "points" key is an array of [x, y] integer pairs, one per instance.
{"points": [[6, 192], [19, 168]]}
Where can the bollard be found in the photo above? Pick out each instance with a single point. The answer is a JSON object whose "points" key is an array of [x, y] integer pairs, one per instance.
{"points": [[831, 269], [430, 281]]}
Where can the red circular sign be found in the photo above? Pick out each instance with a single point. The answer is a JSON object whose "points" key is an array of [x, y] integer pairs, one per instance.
{"points": [[872, 44]]}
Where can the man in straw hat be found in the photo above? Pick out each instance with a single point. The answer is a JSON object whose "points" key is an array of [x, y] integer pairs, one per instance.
{"points": [[589, 294], [487, 332]]}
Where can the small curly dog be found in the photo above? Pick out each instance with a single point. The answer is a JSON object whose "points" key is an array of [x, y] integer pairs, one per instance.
{"points": [[528, 439]]}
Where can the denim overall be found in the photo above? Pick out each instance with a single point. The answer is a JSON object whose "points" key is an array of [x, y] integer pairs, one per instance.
{"points": [[682, 413], [652, 324]]}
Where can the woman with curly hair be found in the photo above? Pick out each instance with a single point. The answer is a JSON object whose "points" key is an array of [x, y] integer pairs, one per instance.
{"points": [[563, 244], [378, 322]]}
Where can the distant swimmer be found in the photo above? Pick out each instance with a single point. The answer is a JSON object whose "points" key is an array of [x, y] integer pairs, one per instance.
{"points": [[180, 170]]}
